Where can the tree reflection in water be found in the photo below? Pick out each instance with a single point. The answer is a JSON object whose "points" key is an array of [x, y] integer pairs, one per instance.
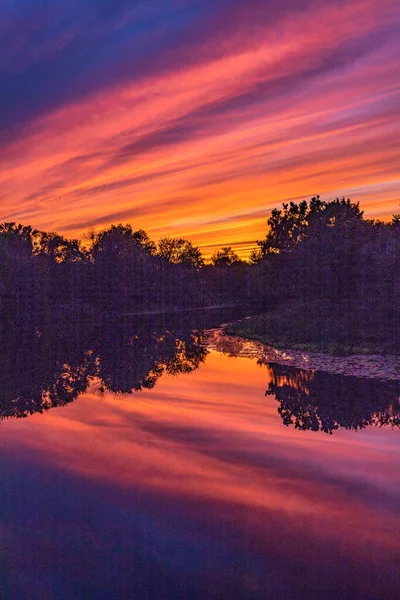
{"points": [[44, 366], [41, 368], [318, 401]]}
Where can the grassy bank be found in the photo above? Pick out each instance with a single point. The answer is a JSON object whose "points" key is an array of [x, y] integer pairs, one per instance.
{"points": [[318, 327]]}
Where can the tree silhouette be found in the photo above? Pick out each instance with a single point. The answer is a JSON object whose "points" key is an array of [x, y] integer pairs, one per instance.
{"points": [[225, 257], [58, 249], [333, 273], [179, 251], [295, 221]]}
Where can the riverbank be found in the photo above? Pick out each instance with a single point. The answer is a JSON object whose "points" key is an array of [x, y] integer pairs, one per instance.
{"points": [[316, 327], [374, 366]]}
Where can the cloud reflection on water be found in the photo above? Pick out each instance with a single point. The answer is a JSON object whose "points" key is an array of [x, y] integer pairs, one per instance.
{"points": [[211, 448]]}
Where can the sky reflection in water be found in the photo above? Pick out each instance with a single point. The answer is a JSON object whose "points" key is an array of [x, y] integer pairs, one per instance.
{"points": [[196, 489]]}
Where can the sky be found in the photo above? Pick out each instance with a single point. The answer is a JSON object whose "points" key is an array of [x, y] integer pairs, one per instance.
{"points": [[195, 118]]}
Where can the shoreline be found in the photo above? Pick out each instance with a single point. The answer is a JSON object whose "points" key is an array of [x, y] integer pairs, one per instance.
{"points": [[306, 328], [385, 367]]}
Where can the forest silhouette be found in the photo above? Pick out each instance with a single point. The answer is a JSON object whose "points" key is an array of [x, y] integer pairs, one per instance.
{"points": [[323, 274]]}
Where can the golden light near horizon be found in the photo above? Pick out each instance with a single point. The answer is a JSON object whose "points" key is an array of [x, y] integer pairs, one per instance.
{"points": [[196, 121]]}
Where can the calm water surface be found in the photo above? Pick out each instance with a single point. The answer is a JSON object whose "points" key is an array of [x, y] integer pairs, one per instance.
{"points": [[194, 488]]}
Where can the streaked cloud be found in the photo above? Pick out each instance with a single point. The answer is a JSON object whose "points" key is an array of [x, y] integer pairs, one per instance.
{"points": [[196, 118]]}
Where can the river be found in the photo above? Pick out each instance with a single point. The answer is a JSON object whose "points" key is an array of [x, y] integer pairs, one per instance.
{"points": [[222, 477]]}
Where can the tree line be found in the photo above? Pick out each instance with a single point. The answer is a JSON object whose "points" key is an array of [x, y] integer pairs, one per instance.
{"points": [[336, 272], [119, 271], [322, 261]]}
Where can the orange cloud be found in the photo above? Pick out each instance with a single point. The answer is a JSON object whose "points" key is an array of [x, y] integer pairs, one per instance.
{"points": [[205, 150]]}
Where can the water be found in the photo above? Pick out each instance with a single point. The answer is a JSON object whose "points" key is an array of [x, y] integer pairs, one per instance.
{"points": [[193, 487]]}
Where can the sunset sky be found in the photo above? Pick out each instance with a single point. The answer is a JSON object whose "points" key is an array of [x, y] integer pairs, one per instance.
{"points": [[195, 117]]}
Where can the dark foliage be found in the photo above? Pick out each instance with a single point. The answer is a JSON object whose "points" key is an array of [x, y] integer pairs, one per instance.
{"points": [[121, 271], [50, 366], [320, 401], [327, 256], [333, 273]]}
